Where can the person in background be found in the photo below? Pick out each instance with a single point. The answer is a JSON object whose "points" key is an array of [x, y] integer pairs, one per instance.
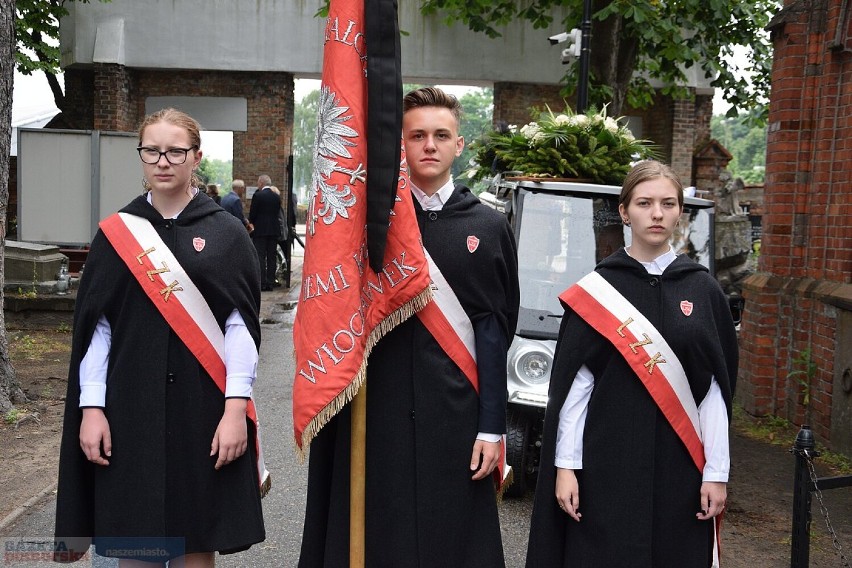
{"points": [[213, 192], [264, 216], [233, 202], [433, 439], [158, 462], [635, 459]]}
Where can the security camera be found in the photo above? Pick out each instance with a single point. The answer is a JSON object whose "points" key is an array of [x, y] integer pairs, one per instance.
{"points": [[574, 38], [559, 38]]}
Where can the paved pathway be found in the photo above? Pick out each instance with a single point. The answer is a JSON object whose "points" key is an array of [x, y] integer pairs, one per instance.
{"points": [[284, 506]]}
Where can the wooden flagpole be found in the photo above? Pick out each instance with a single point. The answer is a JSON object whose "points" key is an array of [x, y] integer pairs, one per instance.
{"points": [[384, 125], [357, 475]]}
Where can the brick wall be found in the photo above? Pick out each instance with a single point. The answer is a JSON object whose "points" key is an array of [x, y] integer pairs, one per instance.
{"points": [[683, 132], [119, 93], [513, 101], [112, 105], [79, 110], [677, 127], [793, 302], [264, 147]]}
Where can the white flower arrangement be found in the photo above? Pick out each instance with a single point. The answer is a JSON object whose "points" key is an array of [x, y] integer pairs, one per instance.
{"points": [[590, 146]]}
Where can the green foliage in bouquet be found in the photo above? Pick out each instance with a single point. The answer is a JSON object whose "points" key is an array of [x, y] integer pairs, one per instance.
{"points": [[590, 146]]}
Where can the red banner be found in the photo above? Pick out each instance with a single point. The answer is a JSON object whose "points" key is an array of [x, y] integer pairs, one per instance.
{"points": [[344, 305]]}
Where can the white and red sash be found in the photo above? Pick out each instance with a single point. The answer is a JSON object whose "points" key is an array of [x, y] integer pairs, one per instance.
{"points": [[649, 355], [179, 301], [645, 350], [448, 323]]}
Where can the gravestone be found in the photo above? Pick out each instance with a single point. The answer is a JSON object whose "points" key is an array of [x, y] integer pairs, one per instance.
{"points": [[32, 267]]}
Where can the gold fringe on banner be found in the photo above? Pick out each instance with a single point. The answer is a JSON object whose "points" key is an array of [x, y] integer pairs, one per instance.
{"points": [[346, 395]]}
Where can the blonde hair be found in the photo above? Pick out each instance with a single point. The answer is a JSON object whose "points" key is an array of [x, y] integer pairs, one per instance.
{"points": [[181, 120], [647, 170]]}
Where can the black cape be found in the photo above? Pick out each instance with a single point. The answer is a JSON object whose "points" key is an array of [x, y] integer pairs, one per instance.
{"points": [[639, 488], [422, 509], [162, 407]]}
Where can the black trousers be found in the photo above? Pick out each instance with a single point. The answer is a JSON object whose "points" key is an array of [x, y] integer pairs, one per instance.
{"points": [[265, 247]]}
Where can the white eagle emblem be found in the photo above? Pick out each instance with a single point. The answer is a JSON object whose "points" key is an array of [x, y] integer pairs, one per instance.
{"points": [[333, 138]]}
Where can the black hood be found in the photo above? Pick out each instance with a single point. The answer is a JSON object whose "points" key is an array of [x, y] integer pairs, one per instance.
{"points": [[620, 260], [199, 206], [461, 199]]}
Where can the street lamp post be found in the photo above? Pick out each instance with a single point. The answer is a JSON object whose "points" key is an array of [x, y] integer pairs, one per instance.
{"points": [[585, 51]]}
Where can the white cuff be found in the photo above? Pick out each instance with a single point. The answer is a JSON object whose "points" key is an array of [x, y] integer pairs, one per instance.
{"points": [[568, 463], [238, 386], [489, 437], [93, 395]]}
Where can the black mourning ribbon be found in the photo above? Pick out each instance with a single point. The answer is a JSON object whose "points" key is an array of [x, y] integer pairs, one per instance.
{"points": [[384, 121]]}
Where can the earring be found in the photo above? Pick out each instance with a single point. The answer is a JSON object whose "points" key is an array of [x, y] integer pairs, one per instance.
{"points": [[626, 222], [145, 185]]}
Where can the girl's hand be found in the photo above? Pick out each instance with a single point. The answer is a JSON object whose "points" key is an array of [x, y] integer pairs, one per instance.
{"points": [[94, 431], [568, 492], [231, 438], [714, 495]]}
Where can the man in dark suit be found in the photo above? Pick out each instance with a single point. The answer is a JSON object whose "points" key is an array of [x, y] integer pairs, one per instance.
{"points": [[233, 202], [263, 215]]}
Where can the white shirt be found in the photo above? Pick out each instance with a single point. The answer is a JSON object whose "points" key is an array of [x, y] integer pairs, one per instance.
{"points": [[437, 200], [712, 413], [240, 360]]}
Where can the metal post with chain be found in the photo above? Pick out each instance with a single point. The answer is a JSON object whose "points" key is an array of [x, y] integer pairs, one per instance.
{"points": [[824, 510], [805, 484]]}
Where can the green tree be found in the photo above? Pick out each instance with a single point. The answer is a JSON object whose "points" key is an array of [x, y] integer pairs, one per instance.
{"points": [[216, 171], [636, 41], [747, 144], [304, 133], [37, 40], [478, 109]]}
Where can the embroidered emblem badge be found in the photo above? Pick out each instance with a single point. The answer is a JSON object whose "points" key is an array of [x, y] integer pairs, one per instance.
{"points": [[686, 307], [472, 243], [198, 244]]}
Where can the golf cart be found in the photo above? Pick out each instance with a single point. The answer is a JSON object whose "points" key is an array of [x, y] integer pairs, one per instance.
{"points": [[563, 229]]}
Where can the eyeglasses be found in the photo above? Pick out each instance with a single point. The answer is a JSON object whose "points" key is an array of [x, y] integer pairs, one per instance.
{"points": [[174, 156]]}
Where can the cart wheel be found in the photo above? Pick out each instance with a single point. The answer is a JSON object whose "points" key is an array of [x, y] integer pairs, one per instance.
{"points": [[517, 452]]}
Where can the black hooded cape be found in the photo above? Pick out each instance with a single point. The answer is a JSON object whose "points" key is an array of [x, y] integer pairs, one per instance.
{"points": [[162, 407], [639, 488], [422, 508]]}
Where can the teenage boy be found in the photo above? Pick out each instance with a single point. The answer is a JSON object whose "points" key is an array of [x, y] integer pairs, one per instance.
{"points": [[433, 439]]}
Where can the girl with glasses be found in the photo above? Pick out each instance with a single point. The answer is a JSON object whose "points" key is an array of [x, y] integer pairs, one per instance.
{"points": [[159, 456]]}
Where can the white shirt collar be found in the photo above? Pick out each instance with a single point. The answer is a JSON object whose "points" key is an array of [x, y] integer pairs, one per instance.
{"points": [[195, 191], [437, 200], [659, 264]]}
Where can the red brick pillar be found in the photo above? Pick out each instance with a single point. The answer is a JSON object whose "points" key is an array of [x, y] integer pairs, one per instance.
{"points": [[78, 113], [683, 138], [795, 302], [112, 105], [266, 145], [709, 161]]}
